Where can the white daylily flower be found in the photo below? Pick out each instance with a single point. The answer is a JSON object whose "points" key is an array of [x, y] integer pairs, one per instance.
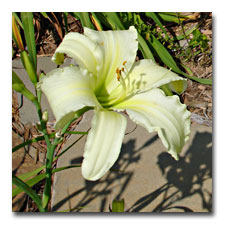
{"points": [[107, 79]]}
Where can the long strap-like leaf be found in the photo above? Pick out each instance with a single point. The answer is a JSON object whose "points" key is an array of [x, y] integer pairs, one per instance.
{"points": [[28, 26], [165, 56], [31, 182], [19, 183]]}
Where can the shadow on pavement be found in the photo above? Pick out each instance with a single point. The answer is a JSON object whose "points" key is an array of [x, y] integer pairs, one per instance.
{"points": [[185, 178]]}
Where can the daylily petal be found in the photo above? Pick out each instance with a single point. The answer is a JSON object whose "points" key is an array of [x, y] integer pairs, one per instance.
{"points": [[103, 143], [166, 115], [68, 90], [118, 47], [146, 75], [84, 51]]}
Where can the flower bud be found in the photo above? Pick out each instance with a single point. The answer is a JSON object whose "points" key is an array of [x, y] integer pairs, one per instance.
{"points": [[45, 116]]}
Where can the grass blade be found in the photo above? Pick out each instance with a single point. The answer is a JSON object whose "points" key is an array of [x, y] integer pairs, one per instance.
{"points": [[24, 187], [84, 19], [16, 33], [17, 19], [96, 22], [27, 20], [31, 182], [65, 15], [114, 21], [143, 47]]}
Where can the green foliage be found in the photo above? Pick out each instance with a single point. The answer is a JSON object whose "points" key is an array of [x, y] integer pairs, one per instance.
{"points": [[118, 206]]}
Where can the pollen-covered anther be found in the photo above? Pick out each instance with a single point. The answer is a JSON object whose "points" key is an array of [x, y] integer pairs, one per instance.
{"points": [[118, 73], [124, 63]]}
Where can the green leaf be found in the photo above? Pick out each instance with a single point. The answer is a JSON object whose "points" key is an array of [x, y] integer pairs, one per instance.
{"points": [[113, 19], [171, 17], [16, 34], [18, 85], [24, 187], [52, 135], [166, 90], [155, 17], [31, 182], [30, 174], [27, 20], [118, 205], [65, 15], [163, 54], [187, 32], [17, 19], [29, 67], [143, 47], [167, 59], [84, 19], [44, 14], [96, 21]]}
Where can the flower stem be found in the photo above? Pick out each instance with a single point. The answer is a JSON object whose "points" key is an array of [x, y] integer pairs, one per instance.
{"points": [[49, 159]]}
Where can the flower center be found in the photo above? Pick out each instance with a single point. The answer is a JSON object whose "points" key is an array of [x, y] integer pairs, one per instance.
{"points": [[121, 91], [121, 75]]}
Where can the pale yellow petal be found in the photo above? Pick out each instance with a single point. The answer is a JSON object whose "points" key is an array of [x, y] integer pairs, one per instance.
{"points": [[67, 91], [103, 143], [157, 112], [118, 47]]}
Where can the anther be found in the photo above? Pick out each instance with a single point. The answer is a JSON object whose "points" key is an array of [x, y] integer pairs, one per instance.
{"points": [[118, 77], [118, 73], [124, 63]]}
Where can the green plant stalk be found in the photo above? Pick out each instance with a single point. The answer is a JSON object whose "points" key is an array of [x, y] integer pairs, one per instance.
{"points": [[49, 158], [50, 152], [40, 177], [41, 138], [35, 180], [18, 182]]}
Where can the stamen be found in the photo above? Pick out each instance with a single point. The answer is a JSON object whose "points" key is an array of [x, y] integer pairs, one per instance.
{"points": [[124, 63], [118, 73]]}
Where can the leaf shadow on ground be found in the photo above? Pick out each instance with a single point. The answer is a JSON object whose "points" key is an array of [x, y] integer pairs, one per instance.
{"points": [[184, 178]]}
